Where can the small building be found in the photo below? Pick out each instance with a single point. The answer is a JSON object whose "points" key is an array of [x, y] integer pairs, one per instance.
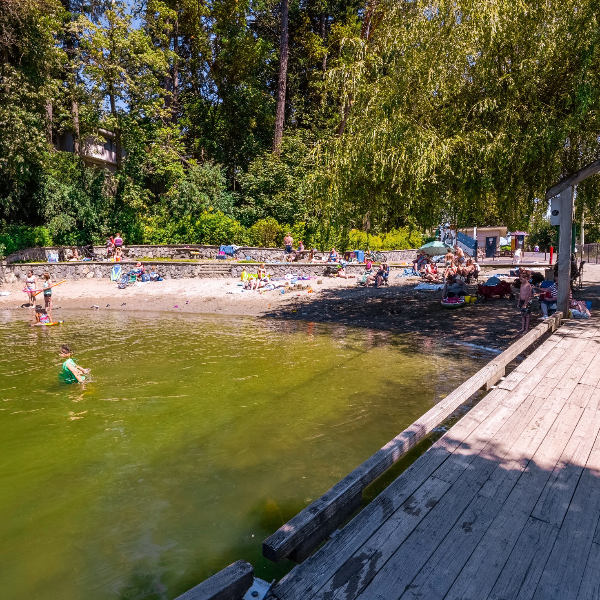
{"points": [[487, 238], [517, 240], [99, 150]]}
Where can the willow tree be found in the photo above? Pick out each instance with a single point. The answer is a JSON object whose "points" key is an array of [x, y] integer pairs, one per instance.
{"points": [[463, 108]]}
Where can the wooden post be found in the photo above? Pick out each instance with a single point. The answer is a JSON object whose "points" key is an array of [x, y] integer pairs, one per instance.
{"points": [[564, 251]]}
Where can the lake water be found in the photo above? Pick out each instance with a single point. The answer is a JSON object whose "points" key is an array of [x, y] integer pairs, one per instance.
{"points": [[196, 438]]}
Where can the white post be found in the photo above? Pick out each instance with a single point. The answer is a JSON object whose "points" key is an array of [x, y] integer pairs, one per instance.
{"points": [[564, 250]]}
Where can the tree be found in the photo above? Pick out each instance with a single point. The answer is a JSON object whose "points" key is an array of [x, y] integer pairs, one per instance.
{"points": [[476, 107], [282, 79]]}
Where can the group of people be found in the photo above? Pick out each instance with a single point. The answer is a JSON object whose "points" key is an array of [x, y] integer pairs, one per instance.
{"points": [[456, 265], [528, 290], [114, 248], [43, 315]]}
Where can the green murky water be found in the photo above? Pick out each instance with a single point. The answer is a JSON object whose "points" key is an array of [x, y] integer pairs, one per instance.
{"points": [[196, 438]]}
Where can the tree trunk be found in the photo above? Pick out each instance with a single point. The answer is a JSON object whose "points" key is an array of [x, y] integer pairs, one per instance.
{"points": [[49, 121], [113, 110], [323, 35], [76, 140], [282, 81], [72, 82], [175, 70]]}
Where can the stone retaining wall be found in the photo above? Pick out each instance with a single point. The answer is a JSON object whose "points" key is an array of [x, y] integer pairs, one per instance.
{"points": [[10, 273], [139, 252]]}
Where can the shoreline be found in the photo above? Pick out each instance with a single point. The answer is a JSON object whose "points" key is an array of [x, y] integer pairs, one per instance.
{"points": [[397, 308]]}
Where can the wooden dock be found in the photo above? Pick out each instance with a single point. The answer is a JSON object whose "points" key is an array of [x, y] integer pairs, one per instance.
{"points": [[505, 505]]}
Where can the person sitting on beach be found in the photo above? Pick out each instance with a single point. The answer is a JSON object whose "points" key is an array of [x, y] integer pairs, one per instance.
{"points": [[333, 255], [72, 255], [300, 246], [525, 301], [451, 270], [549, 299], [110, 246], [430, 273], [420, 262], [30, 288], [342, 272], [260, 280], [118, 255], [382, 274], [71, 371], [41, 317], [460, 255], [118, 240], [139, 270]]}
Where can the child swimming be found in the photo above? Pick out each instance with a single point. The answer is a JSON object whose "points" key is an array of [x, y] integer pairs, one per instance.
{"points": [[71, 371]]}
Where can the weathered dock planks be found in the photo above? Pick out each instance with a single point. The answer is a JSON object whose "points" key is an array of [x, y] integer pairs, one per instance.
{"points": [[506, 505]]}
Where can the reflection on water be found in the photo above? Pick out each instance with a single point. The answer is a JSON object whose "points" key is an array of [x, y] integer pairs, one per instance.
{"points": [[196, 438]]}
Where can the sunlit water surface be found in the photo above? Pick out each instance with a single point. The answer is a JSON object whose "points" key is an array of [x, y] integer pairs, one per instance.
{"points": [[196, 438]]}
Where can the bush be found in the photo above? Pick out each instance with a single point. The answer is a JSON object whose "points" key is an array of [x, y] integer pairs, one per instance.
{"points": [[266, 233], [396, 239], [18, 237]]}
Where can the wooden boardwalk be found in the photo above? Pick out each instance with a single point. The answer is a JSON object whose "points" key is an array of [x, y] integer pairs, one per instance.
{"points": [[505, 505]]}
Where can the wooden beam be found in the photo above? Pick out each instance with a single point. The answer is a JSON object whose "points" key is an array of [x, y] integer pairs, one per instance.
{"points": [[564, 250], [304, 532], [231, 583], [574, 179]]}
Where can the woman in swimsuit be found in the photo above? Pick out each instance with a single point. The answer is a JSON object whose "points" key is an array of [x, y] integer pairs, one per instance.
{"points": [[30, 287]]}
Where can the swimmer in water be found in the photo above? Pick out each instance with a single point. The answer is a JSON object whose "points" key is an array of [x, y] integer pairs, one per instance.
{"points": [[71, 371], [41, 317]]}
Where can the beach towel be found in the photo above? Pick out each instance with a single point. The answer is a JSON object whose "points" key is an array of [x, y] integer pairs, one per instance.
{"points": [[229, 250], [492, 281], [115, 273], [433, 287]]}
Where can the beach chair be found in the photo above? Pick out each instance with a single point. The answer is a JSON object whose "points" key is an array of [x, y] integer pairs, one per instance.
{"points": [[115, 273]]}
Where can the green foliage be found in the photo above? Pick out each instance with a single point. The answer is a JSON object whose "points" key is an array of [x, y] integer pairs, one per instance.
{"points": [[541, 233], [274, 186], [267, 233], [18, 237], [396, 239]]}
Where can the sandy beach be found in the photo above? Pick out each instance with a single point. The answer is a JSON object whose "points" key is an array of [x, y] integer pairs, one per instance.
{"points": [[397, 307]]}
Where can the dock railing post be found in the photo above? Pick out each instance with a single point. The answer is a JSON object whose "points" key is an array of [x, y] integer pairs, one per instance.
{"points": [[564, 252]]}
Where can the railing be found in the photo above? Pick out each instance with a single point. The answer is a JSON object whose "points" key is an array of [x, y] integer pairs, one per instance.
{"points": [[589, 252], [300, 536]]}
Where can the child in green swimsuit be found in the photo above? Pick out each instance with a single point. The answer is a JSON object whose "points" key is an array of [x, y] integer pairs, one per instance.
{"points": [[71, 371]]}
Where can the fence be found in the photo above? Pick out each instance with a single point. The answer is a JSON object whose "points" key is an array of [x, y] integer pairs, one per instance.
{"points": [[467, 243], [589, 252]]}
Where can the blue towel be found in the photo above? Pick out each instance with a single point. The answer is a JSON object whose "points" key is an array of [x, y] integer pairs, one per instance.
{"points": [[229, 250]]}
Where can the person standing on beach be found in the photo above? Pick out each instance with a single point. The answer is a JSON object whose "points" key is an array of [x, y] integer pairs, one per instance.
{"points": [[30, 287], [288, 243], [525, 301], [47, 287]]}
